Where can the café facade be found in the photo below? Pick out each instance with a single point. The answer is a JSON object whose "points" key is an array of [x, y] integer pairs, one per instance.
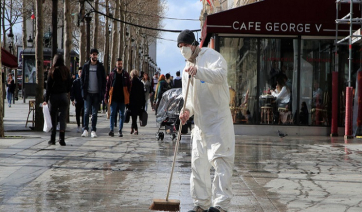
{"points": [[291, 43]]}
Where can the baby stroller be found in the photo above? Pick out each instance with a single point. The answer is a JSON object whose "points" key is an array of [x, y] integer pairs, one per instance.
{"points": [[167, 117]]}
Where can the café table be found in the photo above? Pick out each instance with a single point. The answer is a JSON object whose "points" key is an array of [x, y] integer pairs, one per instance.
{"points": [[266, 102]]}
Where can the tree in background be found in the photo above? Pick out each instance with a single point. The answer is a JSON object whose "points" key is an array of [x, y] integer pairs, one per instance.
{"points": [[39, 119]]}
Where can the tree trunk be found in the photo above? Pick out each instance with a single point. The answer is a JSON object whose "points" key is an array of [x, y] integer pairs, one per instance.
{"points": [[54, 28], [115, 36], [39, 120], [137, 58], [25, 14], [137, 50], [106, 45], [130, 50], [82, 42], [67, 32], [68, 39], [96, 23], [125, 40], [120, 48], [3, 22], [1, 97]]}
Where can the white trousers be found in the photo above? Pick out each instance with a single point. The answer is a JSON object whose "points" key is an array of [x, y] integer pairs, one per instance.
{"points": [[204, 193]]}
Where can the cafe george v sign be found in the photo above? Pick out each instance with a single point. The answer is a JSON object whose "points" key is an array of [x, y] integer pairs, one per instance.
{"points": [[280, 17]]}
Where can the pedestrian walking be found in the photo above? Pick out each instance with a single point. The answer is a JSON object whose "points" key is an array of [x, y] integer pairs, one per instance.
{"points": [[169, 81], [137, 100], [93, 84], [58, 87], [117, 95], [177, 82], [213, 138], [73, 78], [77, 100], [147, 84], [162, 86], [10, 89], [154, 86]]}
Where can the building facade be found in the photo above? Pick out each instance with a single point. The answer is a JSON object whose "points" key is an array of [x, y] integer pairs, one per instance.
{"points": [[287, 43]]}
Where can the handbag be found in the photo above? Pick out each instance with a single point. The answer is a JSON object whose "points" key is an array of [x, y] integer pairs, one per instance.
{"points": [[143, 118], [127, 116], [47, 119]]}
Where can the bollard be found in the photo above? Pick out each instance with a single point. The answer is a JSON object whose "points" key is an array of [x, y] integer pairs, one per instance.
{"points": [[349, 109]]}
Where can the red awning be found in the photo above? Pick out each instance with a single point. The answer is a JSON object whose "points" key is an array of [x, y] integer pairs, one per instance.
{"points": [[281, 17], [8, 60]]}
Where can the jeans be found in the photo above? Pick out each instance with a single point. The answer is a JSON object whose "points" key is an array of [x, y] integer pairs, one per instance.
{"points": [[58, 103], [114, 107], [134, 114], [152, 97], [91, 102], [9, 97], [79, 111]]}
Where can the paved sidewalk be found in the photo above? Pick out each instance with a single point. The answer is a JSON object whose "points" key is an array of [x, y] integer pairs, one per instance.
{"points": [[125, 174]]}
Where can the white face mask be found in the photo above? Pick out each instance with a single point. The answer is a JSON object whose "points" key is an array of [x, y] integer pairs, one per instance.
{"points": [[186, 52]]}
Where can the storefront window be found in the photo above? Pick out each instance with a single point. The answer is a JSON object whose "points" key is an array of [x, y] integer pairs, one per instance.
{"points": [[241, 57], [278, 80], [315, 81]]}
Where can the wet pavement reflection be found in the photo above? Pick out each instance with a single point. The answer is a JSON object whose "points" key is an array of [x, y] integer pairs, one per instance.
{"points": [[125, 174]]}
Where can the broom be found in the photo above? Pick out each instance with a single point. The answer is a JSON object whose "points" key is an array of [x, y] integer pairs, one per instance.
{"points": [[171, 204]]}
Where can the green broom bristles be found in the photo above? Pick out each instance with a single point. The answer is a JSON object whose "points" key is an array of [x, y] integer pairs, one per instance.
{"points": [[163, 205]]}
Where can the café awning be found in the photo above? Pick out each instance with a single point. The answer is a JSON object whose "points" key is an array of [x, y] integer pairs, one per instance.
{"points": [[280, 18], [8, 60]]}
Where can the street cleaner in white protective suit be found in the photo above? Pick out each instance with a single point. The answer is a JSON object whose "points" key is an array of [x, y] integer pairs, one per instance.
{"points": [[213, 138]]}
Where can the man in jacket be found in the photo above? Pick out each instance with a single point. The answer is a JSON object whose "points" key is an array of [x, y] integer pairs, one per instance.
{"points": [[117, 95], [93, 85], [153, 86], [177, 82], [77, 99], [213, 138]]}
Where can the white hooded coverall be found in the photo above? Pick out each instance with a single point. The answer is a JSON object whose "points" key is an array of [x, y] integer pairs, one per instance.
{"points": [[213, 138]]}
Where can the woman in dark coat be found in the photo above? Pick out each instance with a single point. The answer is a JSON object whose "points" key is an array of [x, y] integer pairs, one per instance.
{"points": [[11, 88], [160, 89], [136, 99], [58, 87]]}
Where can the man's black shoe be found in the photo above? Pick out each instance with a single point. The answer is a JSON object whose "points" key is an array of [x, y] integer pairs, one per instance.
{"points": [[120, 134], [62, 143], [51, 142], [216, 209], [111, 133]]}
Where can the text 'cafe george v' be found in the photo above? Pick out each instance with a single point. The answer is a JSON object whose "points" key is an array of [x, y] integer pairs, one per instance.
{"points": [[280, 56]]}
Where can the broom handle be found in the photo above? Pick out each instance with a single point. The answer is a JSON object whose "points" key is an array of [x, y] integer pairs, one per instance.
{"points": [[178, 139]]}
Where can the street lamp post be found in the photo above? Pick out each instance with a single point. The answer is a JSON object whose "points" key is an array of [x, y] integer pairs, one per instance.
{"points": [[109, 66], [88, 18], [10, 36], [30, 42], [54, 27]]}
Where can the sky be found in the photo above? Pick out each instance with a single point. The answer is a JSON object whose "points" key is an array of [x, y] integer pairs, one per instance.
{"points": [[169, 58]]}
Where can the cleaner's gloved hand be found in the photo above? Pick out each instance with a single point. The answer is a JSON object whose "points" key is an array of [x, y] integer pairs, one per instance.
{"points": [[192, 70], [184, 116]]}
